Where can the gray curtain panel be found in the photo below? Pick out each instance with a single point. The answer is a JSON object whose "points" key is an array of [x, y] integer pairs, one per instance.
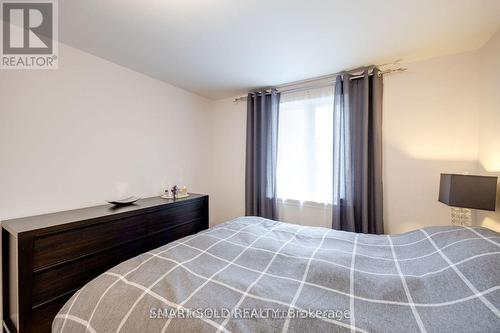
{"points": [[357, 153], [261, 154]]}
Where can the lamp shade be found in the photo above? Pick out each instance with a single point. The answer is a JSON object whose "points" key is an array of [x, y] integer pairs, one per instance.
{"points": [[466, 191]]}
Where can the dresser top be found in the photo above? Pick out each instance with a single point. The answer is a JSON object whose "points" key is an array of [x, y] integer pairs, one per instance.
{"points": [[32, 223]]}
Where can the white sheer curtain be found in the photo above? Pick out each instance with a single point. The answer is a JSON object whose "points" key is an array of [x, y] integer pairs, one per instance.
{"points": [[304, 167]]}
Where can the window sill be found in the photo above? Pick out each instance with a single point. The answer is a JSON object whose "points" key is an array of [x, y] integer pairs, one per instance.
{"points": [[298, 203]]}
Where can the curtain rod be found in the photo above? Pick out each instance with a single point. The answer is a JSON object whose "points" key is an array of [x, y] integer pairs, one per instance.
{"points": [[322, 81]]}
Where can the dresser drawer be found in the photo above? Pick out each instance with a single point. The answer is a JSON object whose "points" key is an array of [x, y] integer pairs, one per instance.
{"points": [[52, 282], [56, 281], [55, 248]]}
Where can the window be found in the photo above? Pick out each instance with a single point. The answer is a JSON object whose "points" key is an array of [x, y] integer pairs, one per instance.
{"points": [[305, 145]]}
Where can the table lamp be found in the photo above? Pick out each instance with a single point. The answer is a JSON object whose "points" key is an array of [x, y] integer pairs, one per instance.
{"points": [[466, 192]]}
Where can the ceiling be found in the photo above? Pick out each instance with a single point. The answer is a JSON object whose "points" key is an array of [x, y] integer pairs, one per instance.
{"points": [[222, 48]]}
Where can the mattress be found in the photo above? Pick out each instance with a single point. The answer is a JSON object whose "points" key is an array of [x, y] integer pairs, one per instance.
{"points": [[257, 275]]}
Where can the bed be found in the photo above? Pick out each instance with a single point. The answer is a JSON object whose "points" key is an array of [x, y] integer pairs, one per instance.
{"points": [[257, 275]]}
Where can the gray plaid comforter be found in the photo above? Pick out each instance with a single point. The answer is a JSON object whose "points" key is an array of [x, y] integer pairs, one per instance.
{"points": [[258, 275]]}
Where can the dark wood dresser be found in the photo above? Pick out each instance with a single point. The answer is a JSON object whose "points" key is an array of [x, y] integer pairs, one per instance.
{"points": [[47, 258]]}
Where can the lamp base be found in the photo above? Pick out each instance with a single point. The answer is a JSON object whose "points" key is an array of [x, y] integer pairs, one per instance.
{"points": [[461, 216]]}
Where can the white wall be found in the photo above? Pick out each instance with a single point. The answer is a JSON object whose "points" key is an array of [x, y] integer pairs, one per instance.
{"points": [[228, 160], [93, 130], [489, 122], [430, 127]]}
